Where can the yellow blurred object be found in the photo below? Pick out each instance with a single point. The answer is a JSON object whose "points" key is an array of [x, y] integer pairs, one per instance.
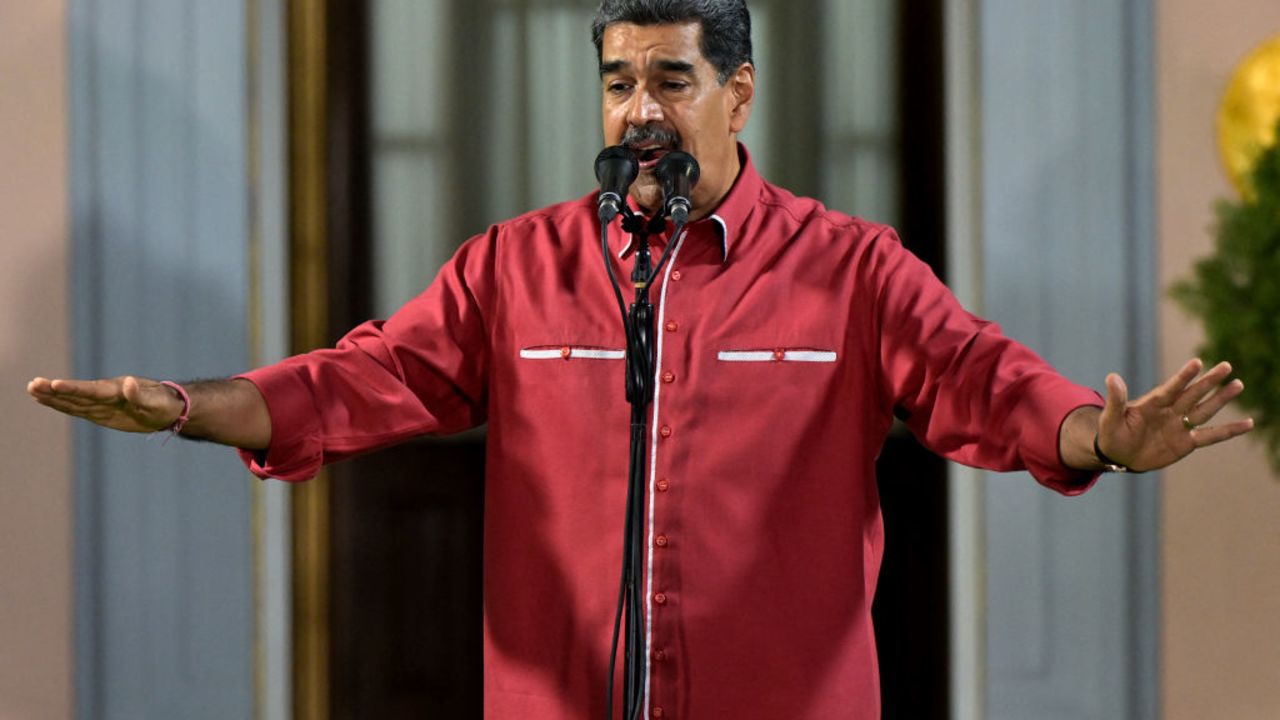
{"points": [[1249, 112]]}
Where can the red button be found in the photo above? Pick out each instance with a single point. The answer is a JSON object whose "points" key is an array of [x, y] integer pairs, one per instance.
{"points": [[661, 541], [673, 326], [779, 355], [668, 377], [657, 712], [663, 485], [675, 275], [665, 431], [565, 352], [660, 598], [660, 655]]}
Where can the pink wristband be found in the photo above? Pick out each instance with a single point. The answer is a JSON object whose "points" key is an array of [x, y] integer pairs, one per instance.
{"points": [[176, 427]]}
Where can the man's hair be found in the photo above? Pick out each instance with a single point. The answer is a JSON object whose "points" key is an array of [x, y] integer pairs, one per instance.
{"points": [[726, 26]]}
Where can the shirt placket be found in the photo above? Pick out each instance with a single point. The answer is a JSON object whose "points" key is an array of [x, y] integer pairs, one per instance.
{"points": [[663, 543]]}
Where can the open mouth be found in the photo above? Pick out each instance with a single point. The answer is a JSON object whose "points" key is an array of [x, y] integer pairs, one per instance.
{"points": [[649, 156]]}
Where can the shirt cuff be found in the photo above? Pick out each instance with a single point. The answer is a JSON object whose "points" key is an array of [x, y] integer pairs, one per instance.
{"points": [[296, 451], [1044, 461]]}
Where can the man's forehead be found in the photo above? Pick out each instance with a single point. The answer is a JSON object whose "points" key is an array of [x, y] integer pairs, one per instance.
{"points": [[673, 47], [658, 63]]}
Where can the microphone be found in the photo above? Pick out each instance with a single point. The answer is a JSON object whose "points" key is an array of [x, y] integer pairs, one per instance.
{"points": [[678, 173], [616, 169]]}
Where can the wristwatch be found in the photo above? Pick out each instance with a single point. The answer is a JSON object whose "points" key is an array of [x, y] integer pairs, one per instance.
{"points": [[1108, 465]]}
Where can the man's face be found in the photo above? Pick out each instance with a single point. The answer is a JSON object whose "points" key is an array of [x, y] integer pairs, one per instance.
{"points": [[661, 94]]}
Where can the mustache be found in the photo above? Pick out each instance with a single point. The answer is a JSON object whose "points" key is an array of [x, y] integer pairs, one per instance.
{"points": [[642, 135]]}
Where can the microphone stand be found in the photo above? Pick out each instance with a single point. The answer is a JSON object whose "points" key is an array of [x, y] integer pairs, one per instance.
{"points": [[639, 327]]}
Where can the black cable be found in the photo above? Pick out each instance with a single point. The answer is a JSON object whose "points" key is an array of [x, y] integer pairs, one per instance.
{"points": [[666, 252], [627, 593], [613, 278], [626, 567], [635, 641]]}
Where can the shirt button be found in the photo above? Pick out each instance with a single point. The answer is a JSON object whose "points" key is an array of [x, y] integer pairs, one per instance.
{"points": [[673, 326], [779, 354], [660, 598], [665, 431], [660, 655], [565, 352], [661, 541], [675, 275], [657, 712], [663, 485], [668, 377]]}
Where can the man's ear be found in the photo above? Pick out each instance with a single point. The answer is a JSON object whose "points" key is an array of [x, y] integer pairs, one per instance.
{"points": [[742, 92]]}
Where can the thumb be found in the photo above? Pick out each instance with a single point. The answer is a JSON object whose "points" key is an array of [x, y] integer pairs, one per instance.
{"points": [[1117, 399], [131, 389], [148, 396]]}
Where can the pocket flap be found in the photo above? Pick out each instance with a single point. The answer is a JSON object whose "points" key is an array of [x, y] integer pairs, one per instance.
{"points": [[810, 355], [570, 352]]}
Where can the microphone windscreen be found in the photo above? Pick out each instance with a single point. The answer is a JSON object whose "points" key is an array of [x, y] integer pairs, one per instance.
{"points": [[616, 165], [616, 168], [677, 168]]}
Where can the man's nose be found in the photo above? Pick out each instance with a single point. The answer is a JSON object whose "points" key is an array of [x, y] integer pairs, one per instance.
{"points": [[644, 109]]}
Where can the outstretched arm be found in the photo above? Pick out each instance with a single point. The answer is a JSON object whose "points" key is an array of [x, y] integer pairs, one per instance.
{"points": [[230, 412], [1159, 428]]}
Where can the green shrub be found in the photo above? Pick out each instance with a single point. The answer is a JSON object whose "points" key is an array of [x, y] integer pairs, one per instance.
{"points": [[1236, 292]]}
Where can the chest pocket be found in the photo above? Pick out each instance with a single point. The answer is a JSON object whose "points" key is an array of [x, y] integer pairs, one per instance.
{"points": [[568, 374]]}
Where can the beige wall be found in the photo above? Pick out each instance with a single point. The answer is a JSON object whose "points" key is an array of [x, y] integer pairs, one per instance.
{"points": [[35, 468], [1221, 508]]}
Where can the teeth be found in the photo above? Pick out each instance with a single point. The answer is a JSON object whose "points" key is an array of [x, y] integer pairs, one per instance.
{"points": [[650, 153]]}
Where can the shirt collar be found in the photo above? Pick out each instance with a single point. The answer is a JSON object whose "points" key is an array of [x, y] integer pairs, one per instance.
{"points": [[730, 216]]}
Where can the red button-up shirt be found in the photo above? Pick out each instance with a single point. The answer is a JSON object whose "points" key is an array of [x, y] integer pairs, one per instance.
{"points": [[788, 334]]}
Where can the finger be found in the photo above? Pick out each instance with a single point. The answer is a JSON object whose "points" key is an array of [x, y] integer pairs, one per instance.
{"points": [[1205, 384], [76, 401], [1204, 437], [97, 413], [1165, 394], [1204, 412], [63, 406], [106, 390], [43, 388]]}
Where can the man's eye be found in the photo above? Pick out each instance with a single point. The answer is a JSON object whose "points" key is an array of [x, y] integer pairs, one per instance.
{"points": [[617, 88], [675, 85]]}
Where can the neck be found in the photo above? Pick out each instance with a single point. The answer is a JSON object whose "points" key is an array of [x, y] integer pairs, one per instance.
{"points": [[703, 210]]}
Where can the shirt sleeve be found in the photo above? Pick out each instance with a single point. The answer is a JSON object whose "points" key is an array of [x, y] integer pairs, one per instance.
{"points": [[423, 370], [968, 392]]}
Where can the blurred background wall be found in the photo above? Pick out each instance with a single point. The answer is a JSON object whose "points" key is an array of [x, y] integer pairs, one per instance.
{"points": [[1221, 507], [160, 205], [35, 457]]}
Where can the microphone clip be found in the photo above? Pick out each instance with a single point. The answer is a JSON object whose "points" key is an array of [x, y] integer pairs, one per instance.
{"points": [[637, 224]]}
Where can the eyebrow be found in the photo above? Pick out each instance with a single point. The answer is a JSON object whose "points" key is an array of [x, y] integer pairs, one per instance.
{"points": [[675, 66]]}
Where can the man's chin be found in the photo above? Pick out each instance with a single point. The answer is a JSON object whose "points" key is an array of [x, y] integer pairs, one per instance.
{"points": [[648, 202]]}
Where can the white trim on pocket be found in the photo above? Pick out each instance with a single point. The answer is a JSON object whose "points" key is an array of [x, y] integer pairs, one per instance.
{"points": [[569, 352], [779, 355]]}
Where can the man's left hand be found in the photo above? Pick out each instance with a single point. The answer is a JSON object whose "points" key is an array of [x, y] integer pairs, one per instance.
{"points": [[1168, 423]]}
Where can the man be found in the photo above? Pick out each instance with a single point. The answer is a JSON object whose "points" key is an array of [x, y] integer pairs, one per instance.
{"points": [[789, 337]]}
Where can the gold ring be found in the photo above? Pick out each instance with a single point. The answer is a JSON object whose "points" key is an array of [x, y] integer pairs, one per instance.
{"points": [[1186, 423]]}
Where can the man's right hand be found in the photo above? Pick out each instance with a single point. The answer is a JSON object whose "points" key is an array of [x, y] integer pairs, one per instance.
{"points": [[127, 403], [231, 412]]}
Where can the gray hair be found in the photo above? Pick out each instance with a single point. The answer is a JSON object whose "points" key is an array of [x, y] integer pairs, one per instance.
{"points": [[726, 26]]}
